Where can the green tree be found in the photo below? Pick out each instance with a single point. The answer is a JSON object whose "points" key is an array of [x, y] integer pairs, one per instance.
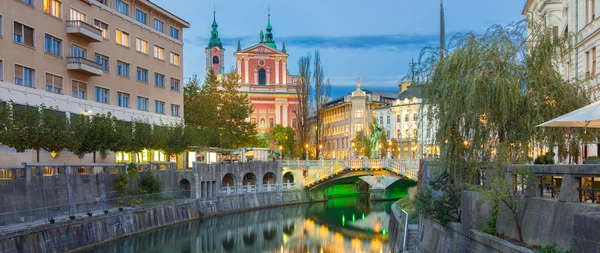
{"points": [[141, 138], [285, 137], [150, 184], [5, 121], [201, 105], [55, 130], [25, 128], [234, 109], [123, 136], [362, 144], [101, 134], [177, 140], [80, 134], [302, 112]]}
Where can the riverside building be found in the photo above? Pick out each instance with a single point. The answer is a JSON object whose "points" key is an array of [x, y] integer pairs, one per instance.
{"points": [[92, 56]]}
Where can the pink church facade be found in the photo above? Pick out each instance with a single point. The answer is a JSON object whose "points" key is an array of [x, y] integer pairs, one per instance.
{"points": [[263, 77]]}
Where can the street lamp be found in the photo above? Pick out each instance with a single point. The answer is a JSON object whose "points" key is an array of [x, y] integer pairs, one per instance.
{"points": [[280, 148], [306, 147], [321, 151], [351, 155]]}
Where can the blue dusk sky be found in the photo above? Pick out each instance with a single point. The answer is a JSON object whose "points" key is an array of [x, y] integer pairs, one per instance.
{"points": [[374, 40]]}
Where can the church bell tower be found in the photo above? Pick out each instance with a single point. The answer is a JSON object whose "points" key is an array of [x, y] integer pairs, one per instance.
{"points": [[215, 52]]}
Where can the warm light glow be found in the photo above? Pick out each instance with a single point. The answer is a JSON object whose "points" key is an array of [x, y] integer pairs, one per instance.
{"points": [[320, 146], [53, 154], [353, 144], [446, 141], [280, 147], [466, 143], [306, 146]]}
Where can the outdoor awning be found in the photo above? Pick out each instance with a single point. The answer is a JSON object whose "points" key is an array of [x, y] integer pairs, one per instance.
{"points": [[588, 116]]}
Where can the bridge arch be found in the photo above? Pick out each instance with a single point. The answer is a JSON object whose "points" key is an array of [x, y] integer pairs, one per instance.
{"points": [[249, 179], [289, 229], [269, 233], [184, 186], [228, 180], [249, 238], [269, 178], [289, 177], [228, 242]]}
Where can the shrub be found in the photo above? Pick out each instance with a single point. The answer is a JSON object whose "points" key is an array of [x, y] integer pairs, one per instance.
{"points": [[150, 184], [551, 249], [547, 158], [490, 227], [591, 160], [444, 208]]}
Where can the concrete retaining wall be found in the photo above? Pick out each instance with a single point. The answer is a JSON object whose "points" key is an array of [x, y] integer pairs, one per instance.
{"points": [[449, 239]]}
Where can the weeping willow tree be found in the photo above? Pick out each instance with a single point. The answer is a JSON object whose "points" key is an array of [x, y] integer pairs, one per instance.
{"points": [[491, 92]]}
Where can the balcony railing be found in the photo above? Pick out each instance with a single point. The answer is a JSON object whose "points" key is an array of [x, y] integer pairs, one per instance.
{"points": [[84, 65], [84, 30]]}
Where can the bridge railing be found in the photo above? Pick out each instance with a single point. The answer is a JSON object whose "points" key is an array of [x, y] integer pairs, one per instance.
{"points": [[269, 187], [288, 186], [407, 168]]}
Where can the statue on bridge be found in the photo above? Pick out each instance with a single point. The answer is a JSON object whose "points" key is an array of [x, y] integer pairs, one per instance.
{"points": [[375, 136]]}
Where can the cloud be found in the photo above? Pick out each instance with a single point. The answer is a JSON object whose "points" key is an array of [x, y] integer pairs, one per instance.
{"points": [[389, 42]]}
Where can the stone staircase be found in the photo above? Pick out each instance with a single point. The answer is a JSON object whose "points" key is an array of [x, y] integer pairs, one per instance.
{"points": [[411, 238]]}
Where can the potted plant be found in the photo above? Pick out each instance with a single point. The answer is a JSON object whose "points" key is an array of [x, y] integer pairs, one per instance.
{"points": [[105, 211], [52, 220], [120, 209], [89, 214], [72, 217]]}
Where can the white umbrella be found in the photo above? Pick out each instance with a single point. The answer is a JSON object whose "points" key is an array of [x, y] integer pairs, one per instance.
{"points": [[588, 116]]}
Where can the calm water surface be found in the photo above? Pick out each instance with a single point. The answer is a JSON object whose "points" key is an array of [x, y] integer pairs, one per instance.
{"points": [[350, 224]]}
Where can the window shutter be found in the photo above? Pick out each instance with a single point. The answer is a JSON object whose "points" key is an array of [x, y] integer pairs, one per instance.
{"points": [[19, 71], [28, 36], [18, 28], [49, 79]]}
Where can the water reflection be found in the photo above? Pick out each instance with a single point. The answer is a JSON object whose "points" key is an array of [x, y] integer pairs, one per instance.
{"points": [[340, 225]]}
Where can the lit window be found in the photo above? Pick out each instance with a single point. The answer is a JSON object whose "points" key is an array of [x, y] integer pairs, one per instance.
{"points": [[102, 26], [52, 45], [78, 89], [122, 69], [159, 52], [159, 107], [142, 75], [102, 95], [158, 25], [23, 34], [122, 99], [358, 113], [24, 76], [174, 59], [141, 17], [29, 2], [52, 7], [122, 7], [141, 45], [122, 38], [358, 127], [77, 15], [54, 83]]}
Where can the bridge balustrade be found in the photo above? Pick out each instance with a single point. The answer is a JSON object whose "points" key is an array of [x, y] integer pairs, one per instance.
{"points": [[288, 186], [269, 187]]}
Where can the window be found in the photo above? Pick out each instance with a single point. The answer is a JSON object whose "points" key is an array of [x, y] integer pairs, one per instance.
{"points": [[122, 99], [141, 17], [175, 85], [1, 25], [415, 117], [174, 59], [29, 2], [159, 52], [262, 76], [1, 70], [175, 110], [102, 60], [23, 34], [159, 107], [358, 113], [78, 51], [52, 7], [141, 45], [406, 117], [78, 89], [142, 104], [24, 76], [105, 2], [358, 127], [54, 83], [398, 134], [142, 75], [593, 62], [102, 95], [159, 80], [102, 26], [158, 25], [271, 122], [52, 45], [122, 38], [381, 121], [398, 118], [174, 32], [215, 59], [122, 7], [122, 69], [77, 15], [388, 120]]}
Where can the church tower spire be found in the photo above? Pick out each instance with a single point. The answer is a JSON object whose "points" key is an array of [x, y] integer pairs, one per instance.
{"points": [[214, 50], [269, 41]]}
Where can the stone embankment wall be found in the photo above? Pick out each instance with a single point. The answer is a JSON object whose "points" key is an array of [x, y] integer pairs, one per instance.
{"points": [[73, 235], [450, 238]]}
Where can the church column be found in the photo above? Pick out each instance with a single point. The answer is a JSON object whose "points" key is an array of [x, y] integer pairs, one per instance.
{"points": [[239, 67], [256, 76], [285, 115], [284, 72], [268, 81], [277, 61], [277, 113], [246, 69]]}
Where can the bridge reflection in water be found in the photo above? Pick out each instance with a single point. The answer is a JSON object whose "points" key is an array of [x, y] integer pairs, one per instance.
{"points": [[350, 224]]}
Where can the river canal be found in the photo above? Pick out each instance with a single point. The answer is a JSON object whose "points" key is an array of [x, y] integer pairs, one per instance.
{"points": [[348, 224]]}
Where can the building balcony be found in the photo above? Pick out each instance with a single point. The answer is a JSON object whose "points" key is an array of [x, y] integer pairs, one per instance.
{"points": [[84, 30], [84, 65]]}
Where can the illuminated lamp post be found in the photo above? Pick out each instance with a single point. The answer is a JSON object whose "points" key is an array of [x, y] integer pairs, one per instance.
{"points": [[280, 156]]}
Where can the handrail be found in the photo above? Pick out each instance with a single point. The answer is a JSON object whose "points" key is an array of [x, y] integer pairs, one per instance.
{"points": [[405, 230], [82, 24], [396, 166]]}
